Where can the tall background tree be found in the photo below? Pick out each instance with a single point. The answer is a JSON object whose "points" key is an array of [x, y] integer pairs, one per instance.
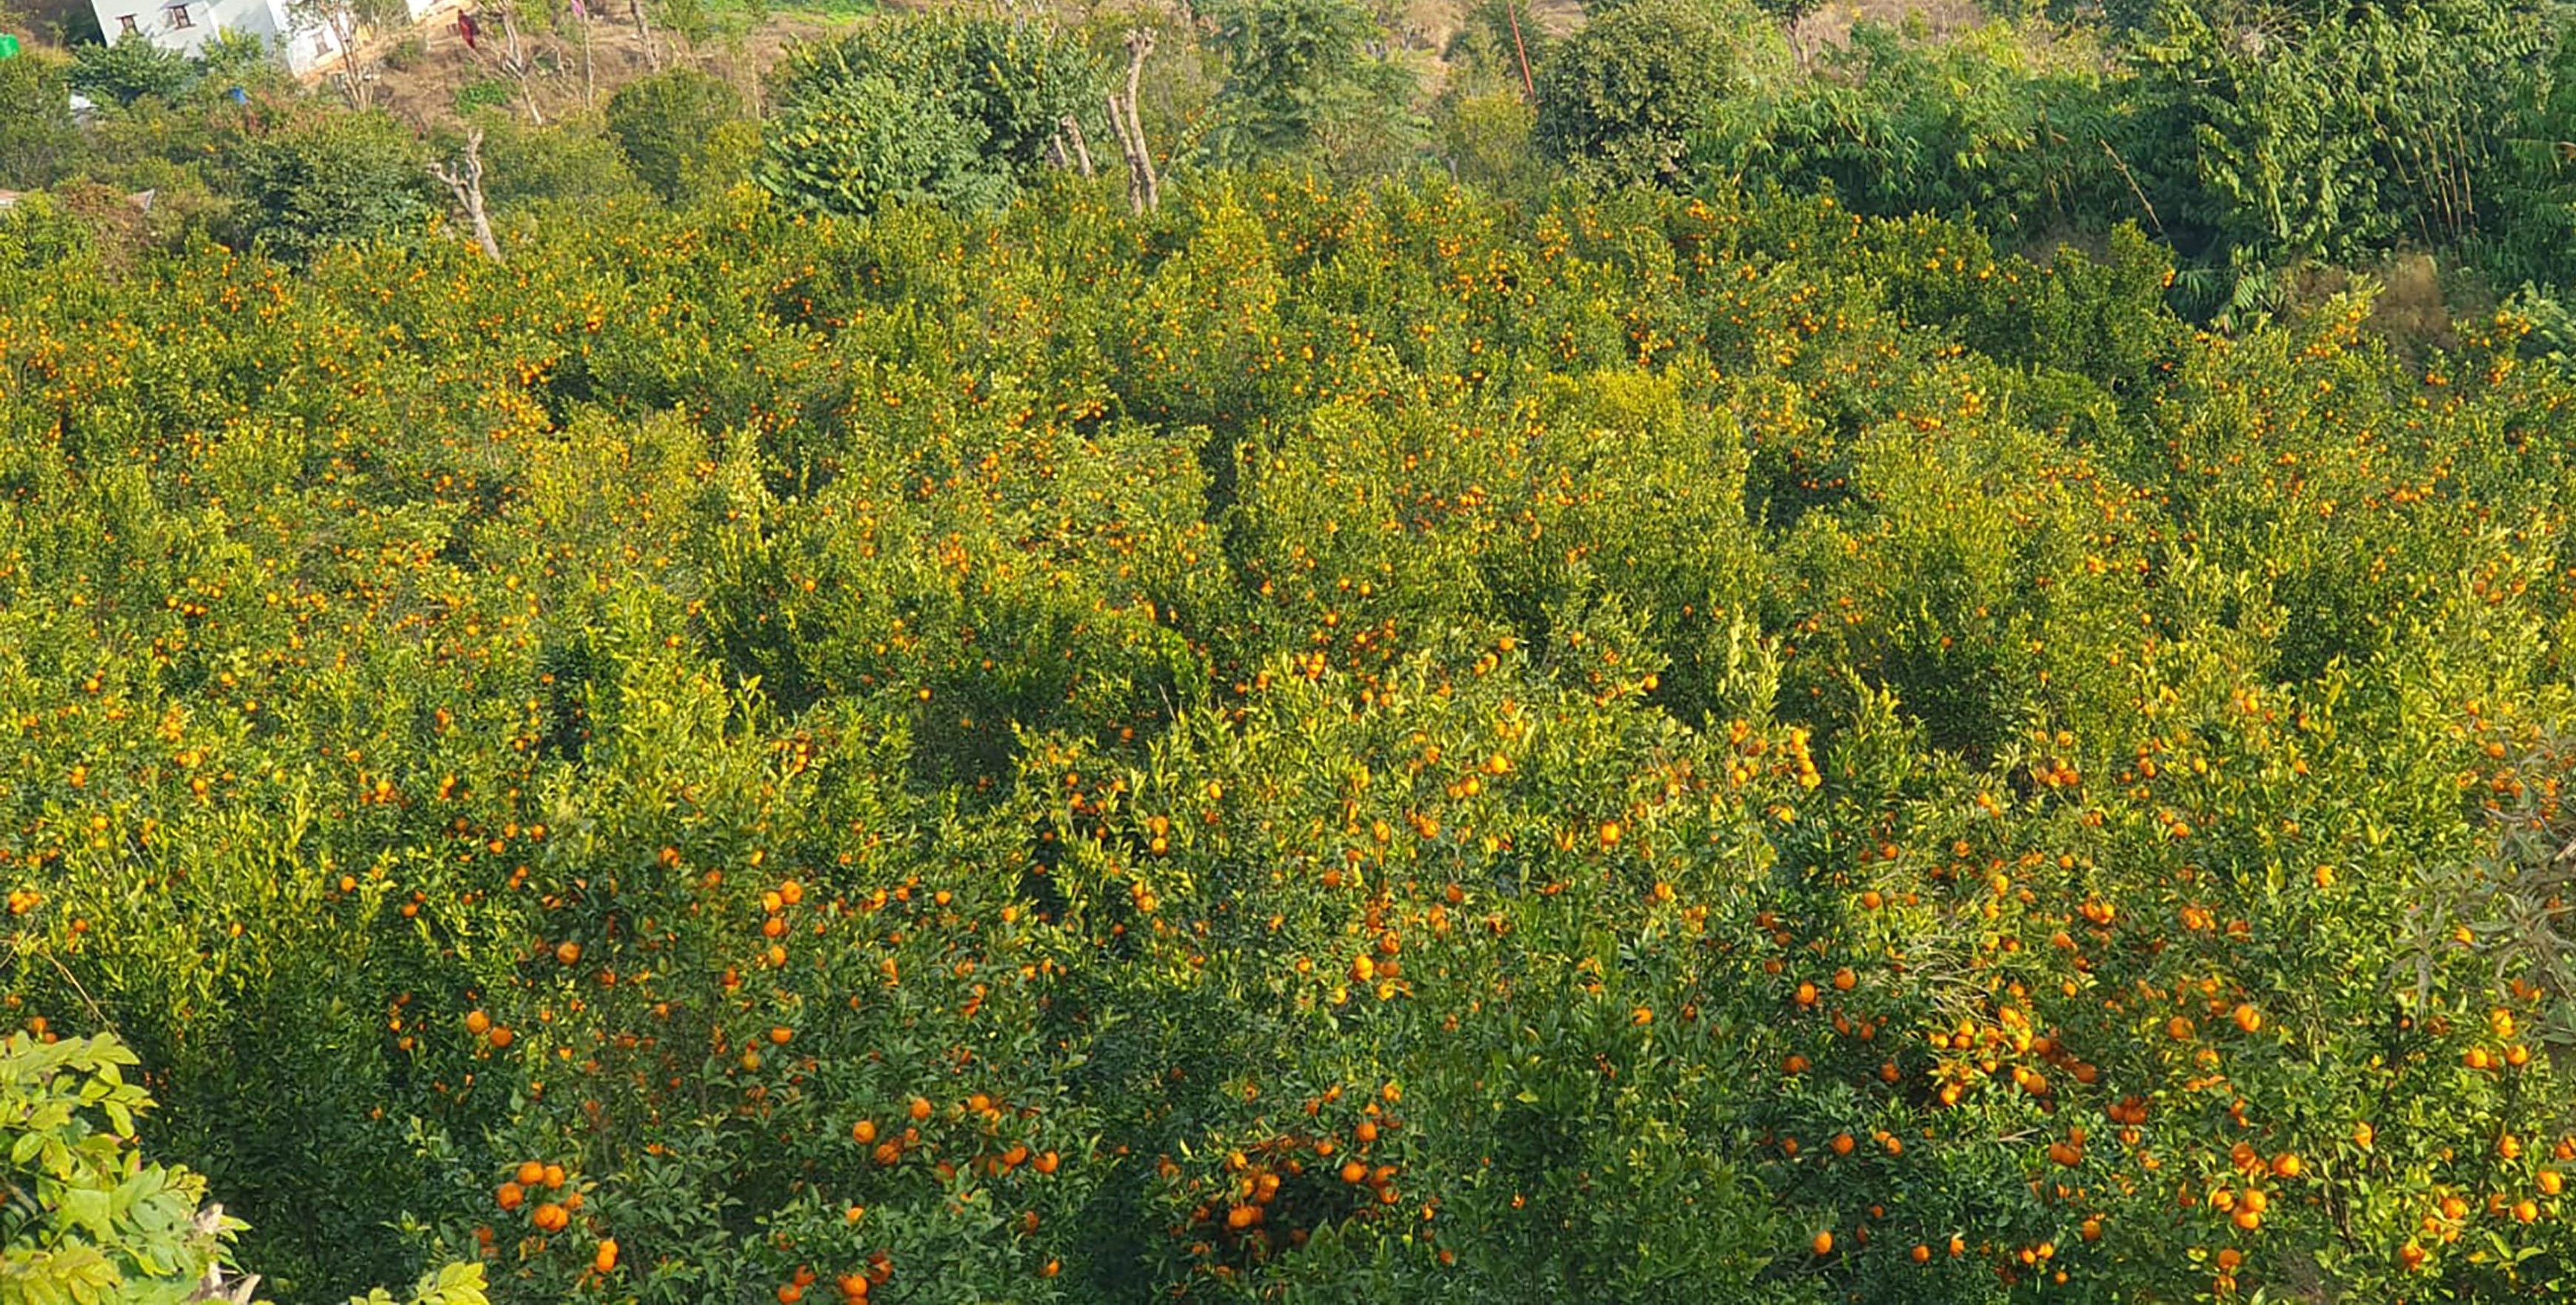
{"points": [[1308, 79], [958, 109], [683, 132], [1620, 100], [37, 138]]}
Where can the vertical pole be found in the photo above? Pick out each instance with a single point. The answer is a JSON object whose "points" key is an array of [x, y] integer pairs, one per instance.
{"points": [[1512, 10]]}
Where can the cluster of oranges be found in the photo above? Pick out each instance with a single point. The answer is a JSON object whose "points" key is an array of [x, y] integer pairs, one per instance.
{"points": [[533, 1180]]}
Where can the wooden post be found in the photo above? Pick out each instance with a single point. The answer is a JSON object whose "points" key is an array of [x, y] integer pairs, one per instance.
{"points": [[1512, 10]]}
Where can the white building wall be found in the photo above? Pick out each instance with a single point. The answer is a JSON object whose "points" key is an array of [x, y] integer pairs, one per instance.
{"points": [[186, 25]]}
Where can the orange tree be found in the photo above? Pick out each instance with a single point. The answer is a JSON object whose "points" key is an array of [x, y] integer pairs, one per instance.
{"points": [[1311, 744]]}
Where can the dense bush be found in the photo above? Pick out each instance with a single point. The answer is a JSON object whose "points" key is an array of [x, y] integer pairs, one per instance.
{"points": [[2022, 136], [320, 179], [1620, 100], [2356, 130], [1302, 81], [1335, 744], [90, 1220], [906, 733], [129, 69], [954, 109], [38, 143], [673, 127]]}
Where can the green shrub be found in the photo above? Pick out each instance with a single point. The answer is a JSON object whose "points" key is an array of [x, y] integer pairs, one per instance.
{"points": [[672, 127], [954, 110], [1300, 82], [90, 1218], [131, 68], [328, 179], [1619, 100]]}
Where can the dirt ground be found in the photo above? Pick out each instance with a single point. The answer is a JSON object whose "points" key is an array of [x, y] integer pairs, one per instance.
{"points": [[571, 73], [576, 67], [1832, 22]]}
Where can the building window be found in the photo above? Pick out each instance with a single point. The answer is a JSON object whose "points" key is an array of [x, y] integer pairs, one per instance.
{"points": [[179, 17], [125, 25]]}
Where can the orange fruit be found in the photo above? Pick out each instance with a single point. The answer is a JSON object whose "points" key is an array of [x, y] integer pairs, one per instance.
{"points": [[604, 1260], [1823, 1244], [531, 1173], [510, 1195]]}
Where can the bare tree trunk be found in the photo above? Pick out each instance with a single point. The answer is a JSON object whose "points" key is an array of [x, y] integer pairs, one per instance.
{"points": [[1140, 42], [1144, 189], [215, 1286], [465, 182], [342, 23], [644, 33], [1127, 151], [1072, 131], [514, 61]]}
